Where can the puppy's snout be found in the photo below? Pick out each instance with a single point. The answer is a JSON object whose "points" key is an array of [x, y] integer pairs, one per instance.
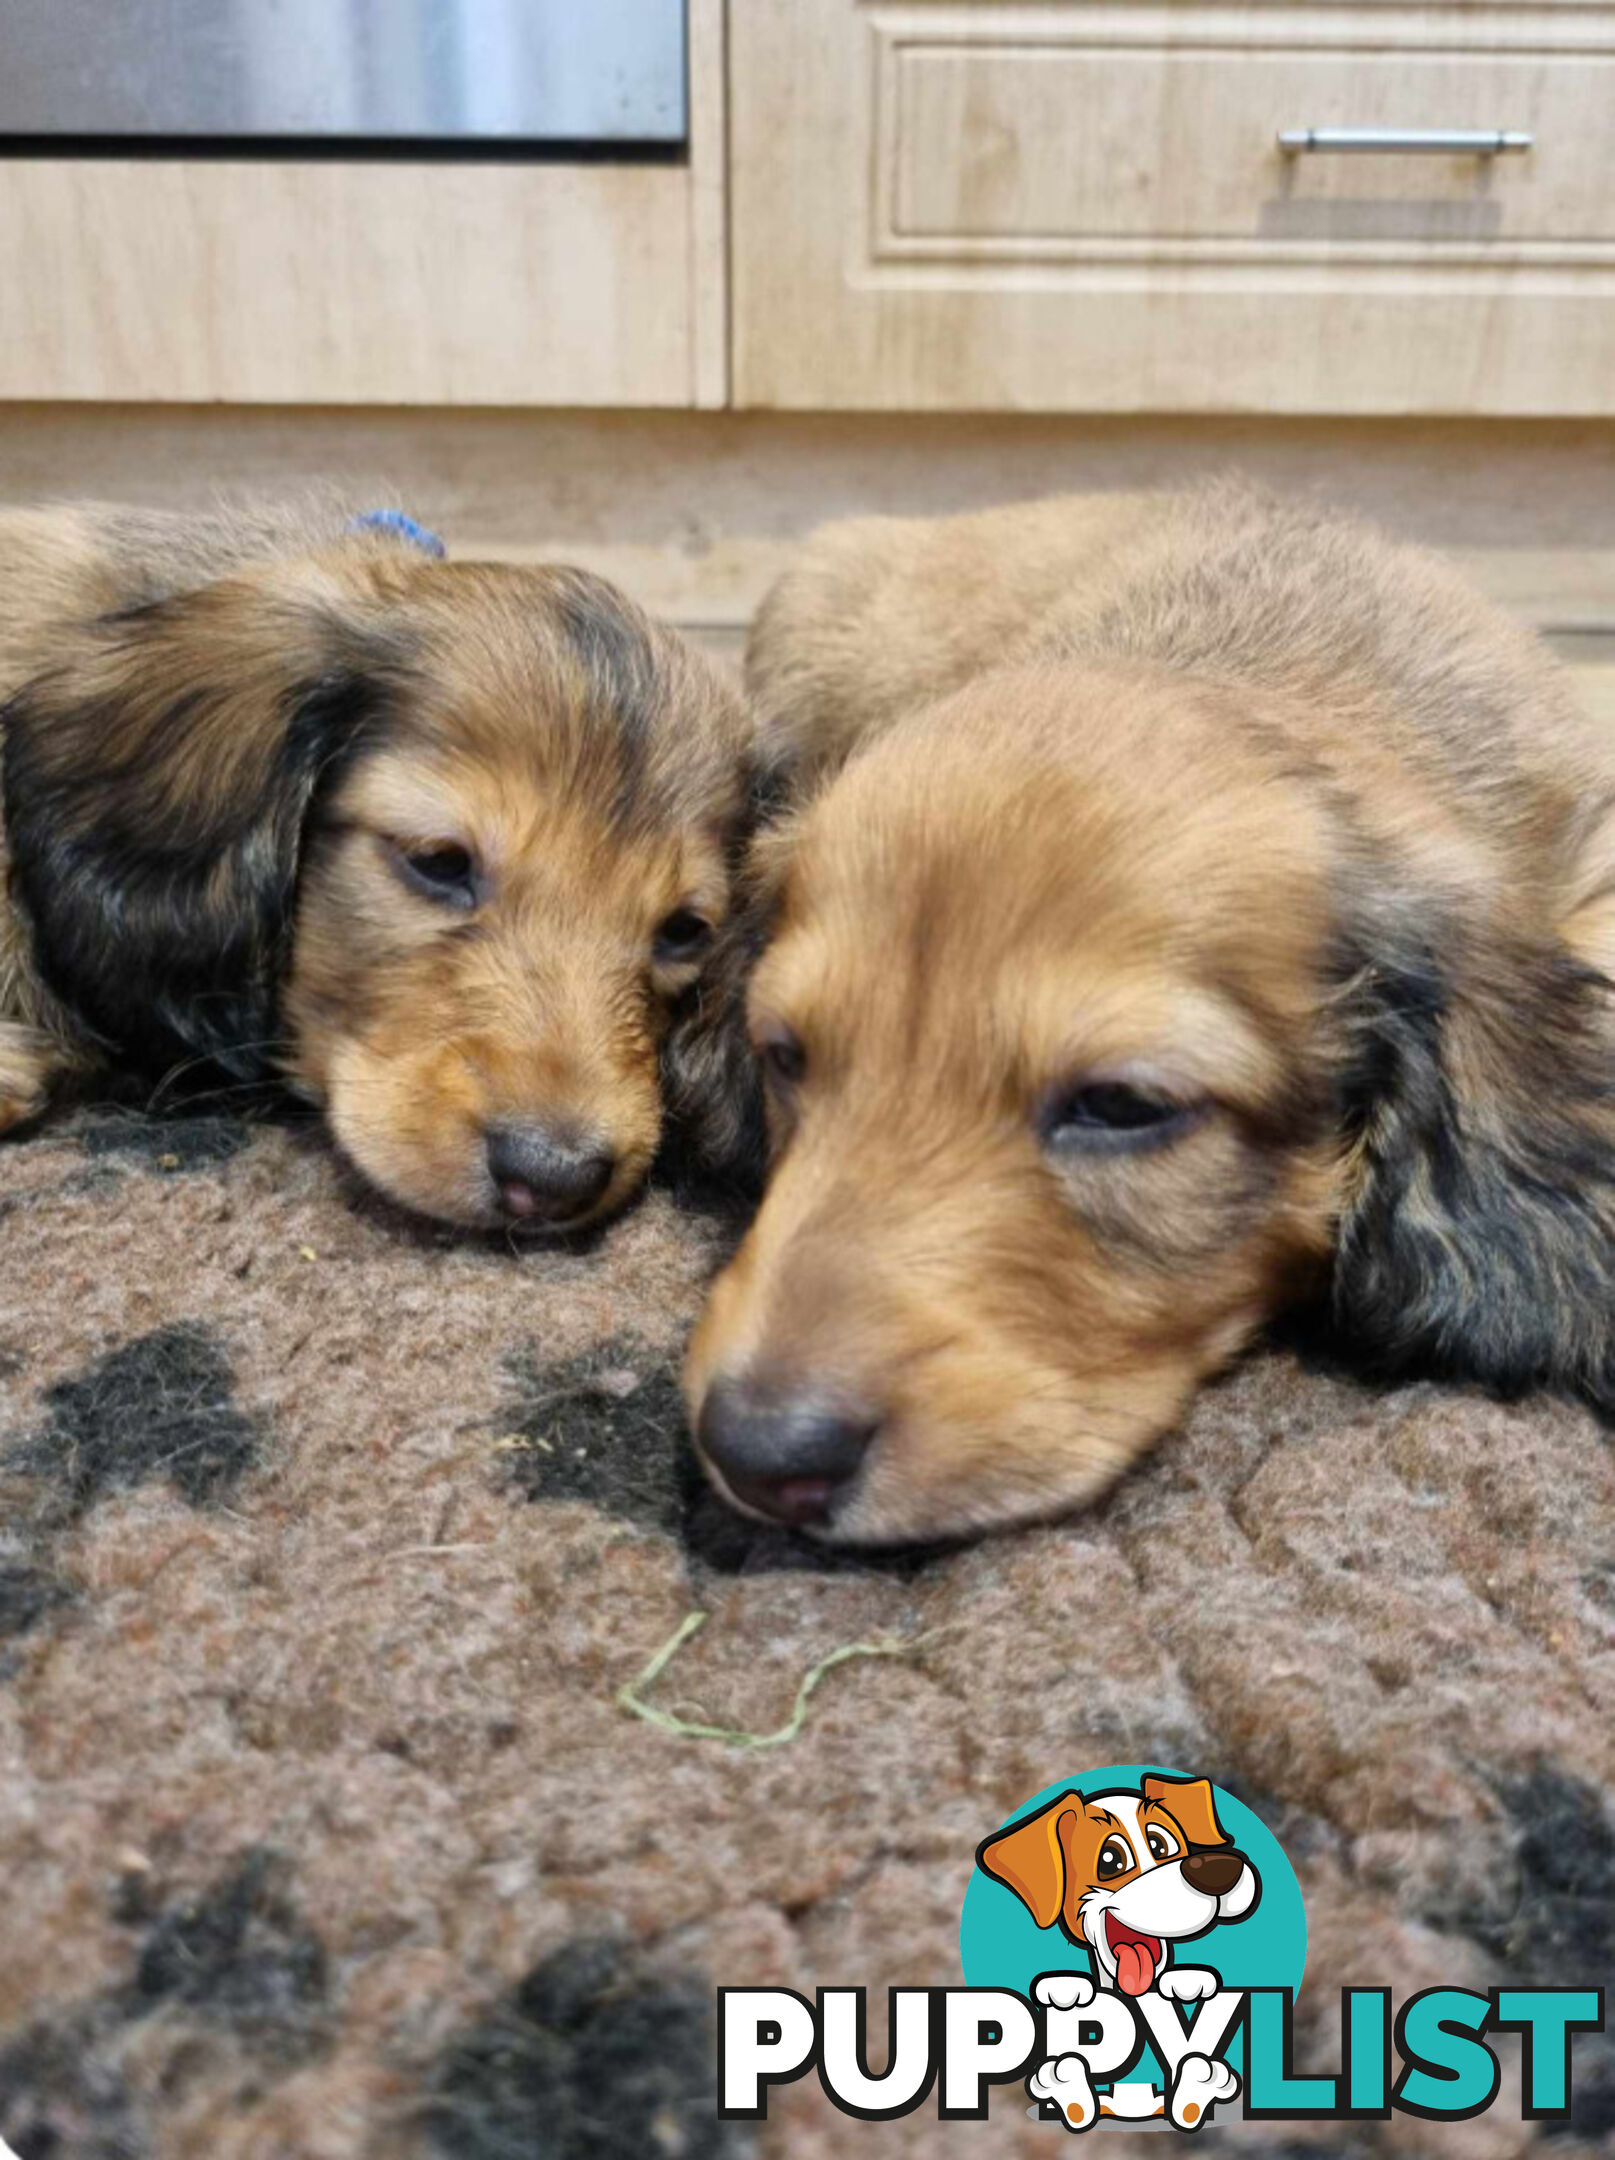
{"points": [[547, 1173], [786, 1456], [1214, 1873]]}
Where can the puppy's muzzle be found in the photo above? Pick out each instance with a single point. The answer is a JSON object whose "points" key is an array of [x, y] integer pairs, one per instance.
{"points": [[547, 1174], [784, 1456]]}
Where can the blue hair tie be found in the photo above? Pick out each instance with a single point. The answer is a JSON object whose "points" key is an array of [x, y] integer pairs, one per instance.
{"points": [[399, 527]]}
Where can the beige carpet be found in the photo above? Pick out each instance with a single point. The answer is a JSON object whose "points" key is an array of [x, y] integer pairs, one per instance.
{"points": [[326, 1543]]}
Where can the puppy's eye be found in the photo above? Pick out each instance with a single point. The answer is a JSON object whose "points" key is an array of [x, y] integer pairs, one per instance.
{"points": [[1161, 1845], [681, 937], [1115, 1858], [782, 1056], [1110, 1116], [441, 870]]}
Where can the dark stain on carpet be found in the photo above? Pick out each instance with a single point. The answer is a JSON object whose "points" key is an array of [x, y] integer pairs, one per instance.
{"points": [[161, 1406], [1561, 1932], [164, 1143], [1551, 1919], [584, 2060], [60, 2099], [27, 1594], [608, 1428], [235, 1965], [1598, 1585], [239, 1955], [1563, 1924]]}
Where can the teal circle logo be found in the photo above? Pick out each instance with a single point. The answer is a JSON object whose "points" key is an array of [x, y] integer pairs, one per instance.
{"points": [[1128, 1875]]}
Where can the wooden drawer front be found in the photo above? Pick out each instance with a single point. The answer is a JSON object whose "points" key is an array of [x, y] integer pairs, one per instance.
{"points": [[1061, 207], [1028, 150]]}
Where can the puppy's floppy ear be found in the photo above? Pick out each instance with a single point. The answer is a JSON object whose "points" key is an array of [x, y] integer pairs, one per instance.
{"points": [[716, 1133], [157, 782], [1029, 1859], [1478, 1238], [710, 1081], [1191, 1806]]}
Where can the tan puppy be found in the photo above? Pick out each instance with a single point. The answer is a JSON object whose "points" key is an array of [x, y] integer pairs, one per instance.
{"points": [[1196, 904], [441, 845]]}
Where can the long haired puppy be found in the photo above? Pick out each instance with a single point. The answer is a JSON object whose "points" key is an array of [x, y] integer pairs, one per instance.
{"points": [[1193, 905], [442, 846]]}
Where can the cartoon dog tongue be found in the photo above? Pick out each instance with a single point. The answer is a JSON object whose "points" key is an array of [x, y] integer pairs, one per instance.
{"points": [[1136, 1956]]}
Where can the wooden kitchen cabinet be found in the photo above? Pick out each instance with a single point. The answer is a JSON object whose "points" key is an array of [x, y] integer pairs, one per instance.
{"points": [[898, 205], [1086, 208], [335, 281]]}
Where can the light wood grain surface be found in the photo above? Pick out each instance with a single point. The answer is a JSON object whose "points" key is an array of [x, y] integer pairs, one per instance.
{"points": [[697, 513], [943, 205], [374, 283]]}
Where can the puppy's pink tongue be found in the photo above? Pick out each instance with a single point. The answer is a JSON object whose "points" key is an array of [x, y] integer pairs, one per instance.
{"points": [[1135, 1968]]}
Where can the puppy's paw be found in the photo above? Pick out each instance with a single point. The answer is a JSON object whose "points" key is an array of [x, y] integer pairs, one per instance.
{"points": [[1064, 2081], [1064, 1991], [1198, 2086], [30, 1065], [1187, 1983]]}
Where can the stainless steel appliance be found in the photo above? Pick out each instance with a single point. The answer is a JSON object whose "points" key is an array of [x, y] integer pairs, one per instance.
{"points": [[444, 73]]}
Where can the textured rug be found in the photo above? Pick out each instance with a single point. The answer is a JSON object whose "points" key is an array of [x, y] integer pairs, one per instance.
{"points": [[326, 1544]]}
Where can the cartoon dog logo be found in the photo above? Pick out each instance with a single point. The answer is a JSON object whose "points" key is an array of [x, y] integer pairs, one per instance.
{"points": [[1128, 1875]]}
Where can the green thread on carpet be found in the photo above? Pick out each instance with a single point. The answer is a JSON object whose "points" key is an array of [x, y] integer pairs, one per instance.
{"points": [[630, 1696]]}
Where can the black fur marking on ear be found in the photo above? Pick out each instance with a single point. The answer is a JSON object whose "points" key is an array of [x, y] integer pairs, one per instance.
{"points": [[714, 1139], [1481, 1243], [164, 932]]}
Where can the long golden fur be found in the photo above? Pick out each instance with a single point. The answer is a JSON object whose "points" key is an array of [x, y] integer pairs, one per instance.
{"points": [[1191, 906], [440, 845]]}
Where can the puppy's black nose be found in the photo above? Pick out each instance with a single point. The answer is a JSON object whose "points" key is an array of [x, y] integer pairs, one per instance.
{"points": [[546, 1173], [785, 1455], [1214, 1872]]}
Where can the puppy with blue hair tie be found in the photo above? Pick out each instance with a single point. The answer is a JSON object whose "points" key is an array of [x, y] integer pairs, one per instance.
{"points": [[441, 847]]}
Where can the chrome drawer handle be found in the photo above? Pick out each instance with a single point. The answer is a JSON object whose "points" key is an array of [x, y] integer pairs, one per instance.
{"points": [[1434, 142]]}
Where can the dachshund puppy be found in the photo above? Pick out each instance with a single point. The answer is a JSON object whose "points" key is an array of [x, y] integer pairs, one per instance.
{"points": [[1191, 906], [441, 846]]}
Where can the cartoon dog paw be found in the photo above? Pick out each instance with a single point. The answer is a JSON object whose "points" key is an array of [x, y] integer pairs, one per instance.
{"points": [[1188, 1983], [1065, 1991], [1065, 2082], [1198, 2086]]}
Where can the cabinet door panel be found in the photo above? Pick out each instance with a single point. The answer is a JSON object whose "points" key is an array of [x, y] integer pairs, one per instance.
{"points": [[330, 281], [285, 283]]}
